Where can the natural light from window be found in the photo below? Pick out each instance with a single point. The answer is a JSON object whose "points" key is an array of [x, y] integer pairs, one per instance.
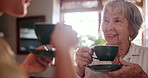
{"points": [[85, 24]]}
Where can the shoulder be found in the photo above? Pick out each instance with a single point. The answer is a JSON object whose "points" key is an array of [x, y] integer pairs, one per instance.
{"points": [[139, 49]]}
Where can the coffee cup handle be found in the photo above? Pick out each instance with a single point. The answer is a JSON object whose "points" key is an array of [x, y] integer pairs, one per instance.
{"points": [[92, 49]]}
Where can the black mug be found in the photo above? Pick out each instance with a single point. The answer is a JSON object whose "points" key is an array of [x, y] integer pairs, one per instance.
{"points": [[43, 32], [105, 52]]}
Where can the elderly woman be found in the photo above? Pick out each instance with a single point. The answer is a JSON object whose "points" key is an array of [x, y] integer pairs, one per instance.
{"points": [[121, 23]]}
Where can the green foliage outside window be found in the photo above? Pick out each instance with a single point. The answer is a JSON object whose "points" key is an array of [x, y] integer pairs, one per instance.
{"points": [[99, 41], [89, 41]]}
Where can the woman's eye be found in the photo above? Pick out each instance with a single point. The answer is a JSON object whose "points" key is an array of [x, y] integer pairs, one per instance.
{"points": [[117, 21], [106, 20]]}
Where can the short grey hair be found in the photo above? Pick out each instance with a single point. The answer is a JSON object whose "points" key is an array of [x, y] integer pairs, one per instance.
{"points": [[130, 11]]}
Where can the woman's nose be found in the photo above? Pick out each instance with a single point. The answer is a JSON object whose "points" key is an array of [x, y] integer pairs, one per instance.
{"points": [[110, 25]]}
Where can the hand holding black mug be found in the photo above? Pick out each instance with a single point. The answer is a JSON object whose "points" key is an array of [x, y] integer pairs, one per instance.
{"points": [[43, 32], [64, 39], [105, 53]]}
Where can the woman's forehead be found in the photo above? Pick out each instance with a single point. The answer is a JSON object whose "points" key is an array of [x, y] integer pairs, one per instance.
{"points": [[113, 15]]}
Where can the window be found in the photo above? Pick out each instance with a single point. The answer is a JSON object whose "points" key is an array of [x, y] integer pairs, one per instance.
{"points": [[85, 24], [83, 16]]}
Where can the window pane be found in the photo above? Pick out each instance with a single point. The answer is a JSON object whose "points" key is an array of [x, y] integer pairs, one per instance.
{"points": [[85, 24], [79, 4], [138, 39]]}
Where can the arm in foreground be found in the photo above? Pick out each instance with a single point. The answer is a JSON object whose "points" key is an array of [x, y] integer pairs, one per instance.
{"points": [[64, 40]]}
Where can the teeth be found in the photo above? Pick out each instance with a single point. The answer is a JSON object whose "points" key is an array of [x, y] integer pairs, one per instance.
{"points": [[111, 35]]}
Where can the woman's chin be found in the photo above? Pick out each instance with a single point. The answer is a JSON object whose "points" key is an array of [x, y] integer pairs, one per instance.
{"points": [[18, 14], [21, 15], [112, 43]]}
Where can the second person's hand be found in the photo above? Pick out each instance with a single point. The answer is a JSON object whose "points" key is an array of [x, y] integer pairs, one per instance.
{"points": [[33, 64]]}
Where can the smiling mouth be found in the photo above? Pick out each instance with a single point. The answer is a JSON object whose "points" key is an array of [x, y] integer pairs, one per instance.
{"points": [[111, 35]]}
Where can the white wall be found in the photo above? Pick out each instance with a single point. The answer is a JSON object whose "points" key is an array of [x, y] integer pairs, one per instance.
{"points": [[56, 11], [49, 8]]}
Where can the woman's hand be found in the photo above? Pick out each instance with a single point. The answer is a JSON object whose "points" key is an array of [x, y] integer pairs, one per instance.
{"points": [[130, 70], [83, 59], [33, 64]]}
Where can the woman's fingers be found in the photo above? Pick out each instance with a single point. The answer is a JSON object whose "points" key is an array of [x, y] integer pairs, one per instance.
{"points": [[41, 48], [130, 70], [48, 59], [83, 57], [86, 49], [125, 63], [43, 62], [83, 61]]}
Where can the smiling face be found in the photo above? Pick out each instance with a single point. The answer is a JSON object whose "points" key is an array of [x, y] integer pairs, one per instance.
{"points": [[115, 28], [15, 7]]}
